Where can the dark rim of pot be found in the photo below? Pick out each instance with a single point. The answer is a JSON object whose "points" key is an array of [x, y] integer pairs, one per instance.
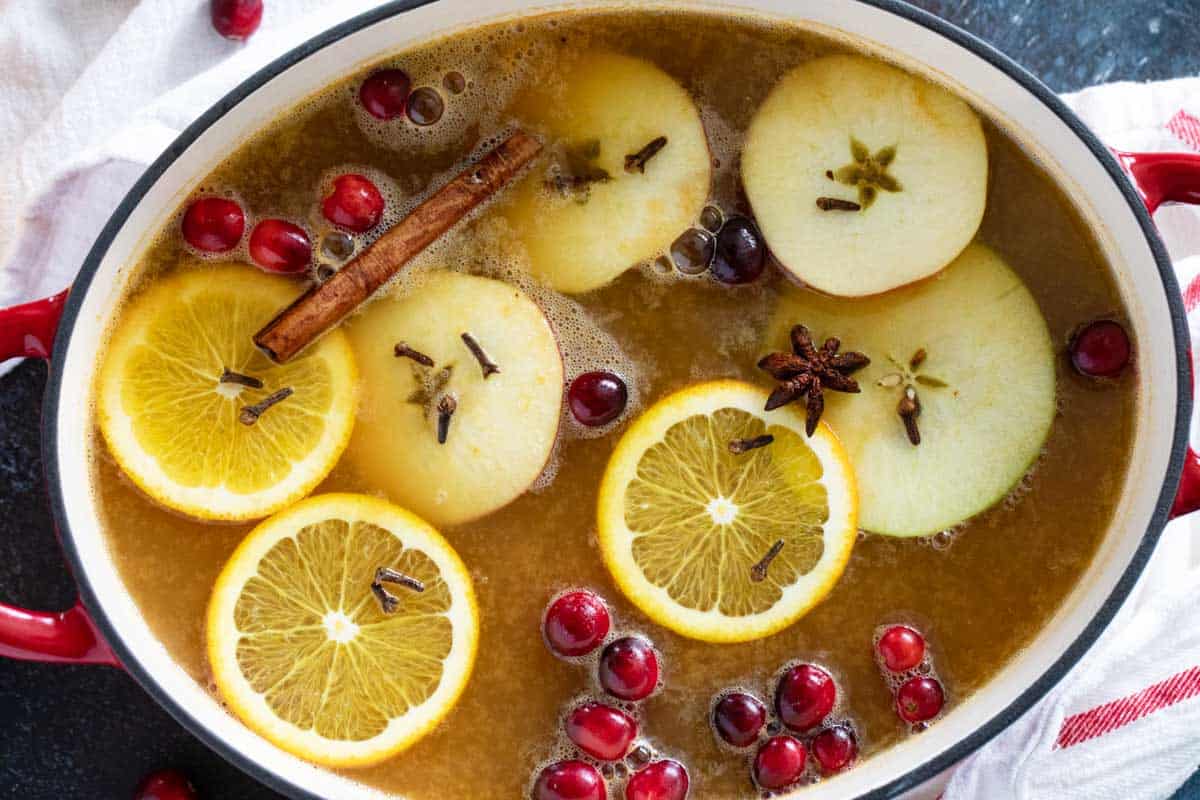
{"points": [[915, 776]]}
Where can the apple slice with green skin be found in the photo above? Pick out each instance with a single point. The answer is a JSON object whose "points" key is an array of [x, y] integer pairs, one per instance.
{"points": [[974, 348], [583, 215], [842, 131], [504, 421]]}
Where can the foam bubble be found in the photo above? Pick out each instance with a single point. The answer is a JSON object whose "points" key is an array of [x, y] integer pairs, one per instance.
{"points": [[491, 73]]}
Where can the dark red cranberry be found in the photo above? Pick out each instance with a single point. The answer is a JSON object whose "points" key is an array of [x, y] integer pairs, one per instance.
{"points": [[661, 780], [236, 19], [165, 784], [740, 253], [920, 699], [569, 780], [805, 696], [576, 623], [779, 762], [1100, 349], [277, 245], [597, 398], [213, 224], [629, 668], [738, 718], [384, 94], [901, 648], [834, 748], [354, 204], [601, 731]]}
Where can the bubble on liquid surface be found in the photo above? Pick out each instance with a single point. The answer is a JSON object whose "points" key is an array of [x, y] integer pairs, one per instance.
{"points": [[425, 106]]}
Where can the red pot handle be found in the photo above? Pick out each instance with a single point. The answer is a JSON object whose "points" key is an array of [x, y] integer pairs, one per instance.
{"points": [[1163, 178], [64, 636]]}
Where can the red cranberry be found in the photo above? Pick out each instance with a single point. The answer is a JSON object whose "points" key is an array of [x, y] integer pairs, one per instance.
{"points": [[738, 718], [629, 668], [385, 93], [1100, 349], [597, 398], [740, 253], [236, 19], [601, 731], [165, 784], [834, 748], [213, 224], [805, 696], [901, 648], [354, 204], [661, 780], [277, 245], [576, 623], [779, 762], [569, 780], [920, 699]]}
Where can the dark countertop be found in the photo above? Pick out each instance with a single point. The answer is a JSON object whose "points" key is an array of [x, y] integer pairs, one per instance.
{"points": [[91, 732]]}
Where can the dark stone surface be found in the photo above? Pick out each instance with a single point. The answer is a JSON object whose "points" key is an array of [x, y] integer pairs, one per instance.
{"points": [[91, 732]]}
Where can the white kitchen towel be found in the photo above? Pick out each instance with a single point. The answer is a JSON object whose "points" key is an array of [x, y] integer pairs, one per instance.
{"points": [[92, 91], [1125, 722]]}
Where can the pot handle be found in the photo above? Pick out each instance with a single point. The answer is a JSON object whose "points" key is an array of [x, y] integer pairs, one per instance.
{"points": [[63, 636], [1162, 178]]}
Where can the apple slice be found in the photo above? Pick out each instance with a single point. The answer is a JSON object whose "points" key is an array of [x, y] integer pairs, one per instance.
{"points": [[974, 349], [596, 207], [846, 131], [424, 361]]}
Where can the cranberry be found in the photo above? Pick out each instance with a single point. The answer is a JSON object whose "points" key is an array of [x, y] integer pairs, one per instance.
{"points": [[805, 696], [920, 699], [740, 253], [738, 718], [1100, 349], [354, 204], [779, 762], [834, 748], [662, 780], [629, 668], [597, 398], [601, 731], [569, 780], [901, 648], [236, 19], [213, 224], [277, 245], [165, 784], [576, 623], [385, 93]]}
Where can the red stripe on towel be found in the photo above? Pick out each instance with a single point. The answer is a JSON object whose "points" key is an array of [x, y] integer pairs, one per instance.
{"points": [[1110, 716], [1186, 128], [1191, 295]]}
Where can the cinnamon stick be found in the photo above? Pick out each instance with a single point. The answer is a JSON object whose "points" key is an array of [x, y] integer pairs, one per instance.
{"points": [[325, 305]]}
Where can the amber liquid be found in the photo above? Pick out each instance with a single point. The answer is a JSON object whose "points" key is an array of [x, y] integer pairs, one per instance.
{"points": [[979, 600]]}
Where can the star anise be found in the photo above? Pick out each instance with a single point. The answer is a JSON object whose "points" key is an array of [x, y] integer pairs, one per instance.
{"points": [[868, 172], [808, 371]]}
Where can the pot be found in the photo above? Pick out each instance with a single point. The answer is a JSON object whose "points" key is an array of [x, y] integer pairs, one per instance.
{"points": [[105, 627]]}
